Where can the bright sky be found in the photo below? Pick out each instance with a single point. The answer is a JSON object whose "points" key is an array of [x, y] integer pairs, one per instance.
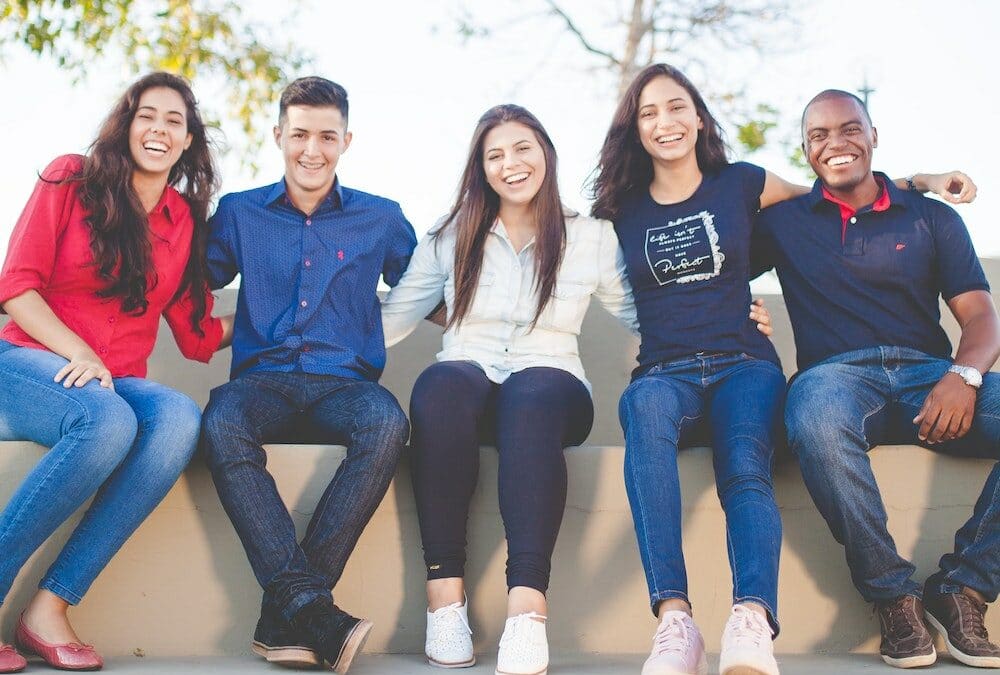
{"points": [[416, 92]]}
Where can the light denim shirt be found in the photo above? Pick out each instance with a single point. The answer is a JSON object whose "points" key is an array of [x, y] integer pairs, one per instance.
{"points": [[496, 332]]}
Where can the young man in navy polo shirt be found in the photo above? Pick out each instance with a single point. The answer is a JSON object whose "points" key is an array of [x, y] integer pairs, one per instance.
{"points": [[862, 264], [307, 354]]}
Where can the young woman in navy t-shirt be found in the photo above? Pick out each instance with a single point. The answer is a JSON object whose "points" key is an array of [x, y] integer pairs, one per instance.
{"points": [[684, 216]]}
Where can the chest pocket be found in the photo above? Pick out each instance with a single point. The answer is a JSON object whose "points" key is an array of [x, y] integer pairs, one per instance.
{"points": [[484, 305], [566, 306]]}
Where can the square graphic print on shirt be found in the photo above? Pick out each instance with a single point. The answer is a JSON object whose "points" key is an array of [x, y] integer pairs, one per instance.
{"points": [[684, 250]]}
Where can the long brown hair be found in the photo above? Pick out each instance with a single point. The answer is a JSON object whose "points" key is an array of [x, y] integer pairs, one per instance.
{"points": [[119, 224], [625, 167], [478, 205]]}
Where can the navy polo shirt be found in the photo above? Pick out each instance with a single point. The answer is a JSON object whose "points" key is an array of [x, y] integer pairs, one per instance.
{"points": [[689, 265], [868, 279], [307, 299]]}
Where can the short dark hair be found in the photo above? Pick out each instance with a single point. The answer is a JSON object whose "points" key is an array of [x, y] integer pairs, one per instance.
{"points": [[313, 91], [826, 95]]}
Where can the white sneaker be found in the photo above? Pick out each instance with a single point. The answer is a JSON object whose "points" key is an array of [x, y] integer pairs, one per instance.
{"points": [[449, 638], [747, 645], [678, 648], [524, 649]]}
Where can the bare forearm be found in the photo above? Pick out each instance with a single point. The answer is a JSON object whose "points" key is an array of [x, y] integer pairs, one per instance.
{"points": [[227, 330], [34, 316], [980, 343]]}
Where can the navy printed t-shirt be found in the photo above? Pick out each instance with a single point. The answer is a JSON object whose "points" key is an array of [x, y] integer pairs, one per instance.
{"points": [[870, 279], [689, 264]]}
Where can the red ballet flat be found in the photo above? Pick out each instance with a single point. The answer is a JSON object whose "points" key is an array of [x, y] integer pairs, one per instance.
{"points": [[70, 656], [10, 660]]}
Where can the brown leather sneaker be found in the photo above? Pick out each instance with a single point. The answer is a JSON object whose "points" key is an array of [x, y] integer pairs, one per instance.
{"points": [[906, 642], [959, 619]]}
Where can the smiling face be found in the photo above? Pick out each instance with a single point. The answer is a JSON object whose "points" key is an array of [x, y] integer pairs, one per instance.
{"points": [[514, 163], [668, 121], [158, 134], [312, 139], [838, 140]]}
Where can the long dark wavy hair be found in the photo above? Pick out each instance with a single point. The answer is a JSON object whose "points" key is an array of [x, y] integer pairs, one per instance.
{"points": [[477, 206], [118, 222], [625, 167]]}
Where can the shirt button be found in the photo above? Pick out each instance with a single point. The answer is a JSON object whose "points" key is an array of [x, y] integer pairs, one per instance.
{"points": [[309, 221], [854, 220], [104, 350], [308, 262], [111, 319], [304, 303], [305, 348]]}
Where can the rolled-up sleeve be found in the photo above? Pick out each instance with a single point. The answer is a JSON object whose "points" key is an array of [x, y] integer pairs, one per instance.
{"points": [[192, 345], [31, 254]]}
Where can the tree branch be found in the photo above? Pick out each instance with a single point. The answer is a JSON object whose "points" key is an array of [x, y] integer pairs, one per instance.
{"points": [[571, 27]]}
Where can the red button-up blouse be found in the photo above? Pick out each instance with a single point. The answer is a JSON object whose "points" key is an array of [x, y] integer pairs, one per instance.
{"points": [[50, 253]]}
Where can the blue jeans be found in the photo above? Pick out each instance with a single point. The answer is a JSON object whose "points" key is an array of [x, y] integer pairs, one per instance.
{"points": [[128, 446], [262, 407], [737, 400], [842, 407]]}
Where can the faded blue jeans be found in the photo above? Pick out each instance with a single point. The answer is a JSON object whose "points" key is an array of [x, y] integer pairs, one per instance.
{"points": [[736, 399], [842, 407], [125, 448], [261, 407]]}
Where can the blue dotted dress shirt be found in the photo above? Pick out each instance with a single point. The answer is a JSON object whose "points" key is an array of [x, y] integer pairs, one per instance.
{"points": [[307, 299]]}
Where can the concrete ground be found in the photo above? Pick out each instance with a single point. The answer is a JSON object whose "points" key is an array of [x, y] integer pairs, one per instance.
{"points": [[565, 664]]}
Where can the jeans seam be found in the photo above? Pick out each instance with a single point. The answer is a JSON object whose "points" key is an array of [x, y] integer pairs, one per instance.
{"points": [[16, 518], [62, 591], [979, 528], [645, 530]]}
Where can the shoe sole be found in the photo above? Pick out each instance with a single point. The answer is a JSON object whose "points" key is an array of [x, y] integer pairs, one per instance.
{"points": [[543, 671], [967, 659], [455, 664], [354, 643], [912, 661], [743, 670], [292, 656]]}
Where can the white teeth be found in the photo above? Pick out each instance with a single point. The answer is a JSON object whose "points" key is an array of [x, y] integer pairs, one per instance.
{"points": [[155, 146], [670, 138], [840, 160], [516, 178]]}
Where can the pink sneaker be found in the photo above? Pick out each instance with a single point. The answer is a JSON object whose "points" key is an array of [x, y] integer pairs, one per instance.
{"points": [[747, 645], [678, 648]]}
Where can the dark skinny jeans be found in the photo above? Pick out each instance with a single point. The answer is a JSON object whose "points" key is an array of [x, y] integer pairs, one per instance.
{"points": [[531, 418]]}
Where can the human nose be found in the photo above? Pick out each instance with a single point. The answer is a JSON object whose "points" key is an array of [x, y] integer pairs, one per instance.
{"points": [[312, 145]]}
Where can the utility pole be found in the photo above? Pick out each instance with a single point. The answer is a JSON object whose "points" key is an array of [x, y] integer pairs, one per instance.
{"points": [[865, 90]]}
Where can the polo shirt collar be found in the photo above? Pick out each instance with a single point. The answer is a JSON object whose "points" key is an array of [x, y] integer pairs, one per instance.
{"points": [[279, 192], [891, 195]]}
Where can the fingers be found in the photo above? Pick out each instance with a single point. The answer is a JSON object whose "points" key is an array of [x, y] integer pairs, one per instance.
{"points": [[926, 418], [960, 188], [761, 316], [79, 374], [939, 432]]}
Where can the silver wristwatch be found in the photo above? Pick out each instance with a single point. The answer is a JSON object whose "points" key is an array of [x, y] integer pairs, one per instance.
{"points": [[972, 377]]}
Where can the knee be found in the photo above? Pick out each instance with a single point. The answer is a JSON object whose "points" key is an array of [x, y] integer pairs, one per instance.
{"points": [[649, 410], [219, 428], [175, 425], [387, 419], [815, 417], [107, 417]]}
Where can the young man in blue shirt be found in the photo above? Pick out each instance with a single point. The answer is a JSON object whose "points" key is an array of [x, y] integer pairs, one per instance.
{"points": [[307, 354], [862, 265]]}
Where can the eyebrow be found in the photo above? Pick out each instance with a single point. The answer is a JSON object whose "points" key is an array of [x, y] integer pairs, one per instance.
{"points": [[523, 140], [152, 108], [845, 124], [324, 131], [672, 100]]}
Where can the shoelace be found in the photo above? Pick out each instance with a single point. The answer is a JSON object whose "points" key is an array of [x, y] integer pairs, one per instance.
{"points": [[451, 610], [672, 636], [748, 627], [522, 624], [971, 616]]}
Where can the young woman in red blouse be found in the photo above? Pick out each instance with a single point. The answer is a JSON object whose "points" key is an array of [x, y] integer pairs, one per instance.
{"points": [[107, 244]]}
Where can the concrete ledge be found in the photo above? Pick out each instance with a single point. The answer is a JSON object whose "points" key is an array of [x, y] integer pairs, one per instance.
{"points": [[182, 587]]}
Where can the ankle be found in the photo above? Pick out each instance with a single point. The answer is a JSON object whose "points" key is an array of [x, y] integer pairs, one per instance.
{"points": [[673, 605], [525, 600], [444, 592]]}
